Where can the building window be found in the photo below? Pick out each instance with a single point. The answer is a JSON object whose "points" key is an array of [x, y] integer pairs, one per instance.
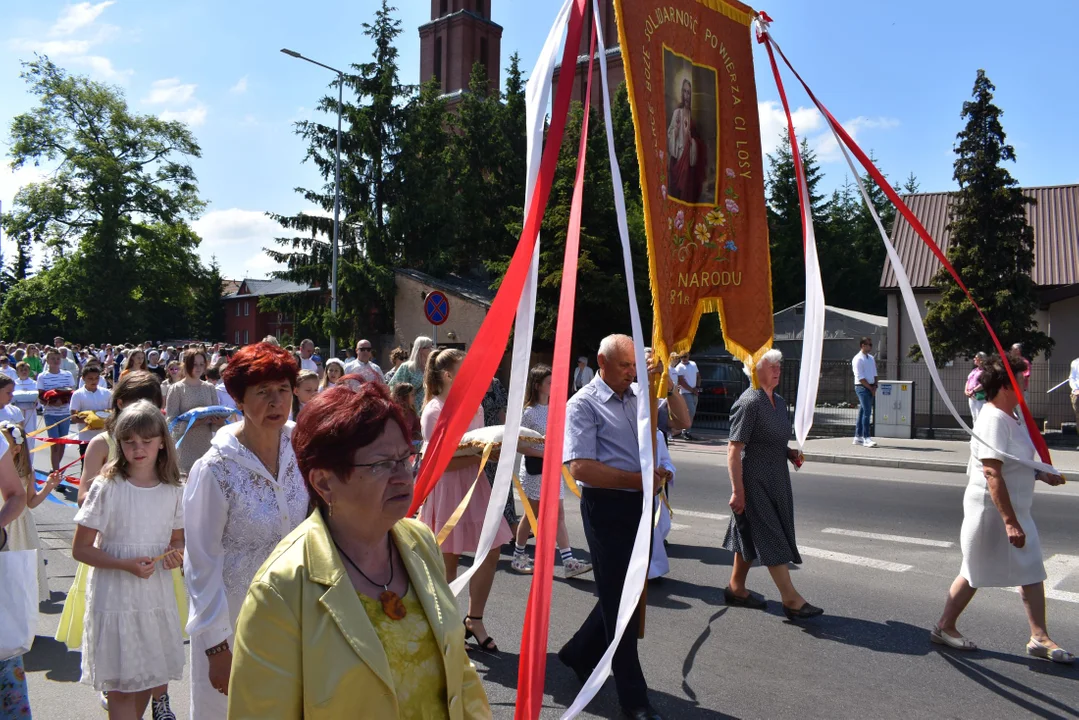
{"points": [[479, 7], [438, 61], [247, 338], [237, 342], [483, 57], [247, 308], [442, 8], [237, 309]]}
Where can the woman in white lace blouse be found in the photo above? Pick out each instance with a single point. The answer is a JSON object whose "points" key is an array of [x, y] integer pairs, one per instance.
{"points": [[241, 498]]}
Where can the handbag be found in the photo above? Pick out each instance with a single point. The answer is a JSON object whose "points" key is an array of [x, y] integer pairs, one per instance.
{"points": [[18, 597], [533, 465]]}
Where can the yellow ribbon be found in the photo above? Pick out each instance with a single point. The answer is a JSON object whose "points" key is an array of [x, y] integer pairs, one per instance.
{"points": [[570, 482], [527, 505], [35, 433], [455, 518]]}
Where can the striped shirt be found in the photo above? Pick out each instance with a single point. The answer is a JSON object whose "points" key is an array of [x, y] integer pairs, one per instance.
{"points": [[56, 381]]}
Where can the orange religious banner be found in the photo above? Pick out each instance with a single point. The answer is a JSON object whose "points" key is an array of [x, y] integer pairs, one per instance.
{"points": [[689, 70]]}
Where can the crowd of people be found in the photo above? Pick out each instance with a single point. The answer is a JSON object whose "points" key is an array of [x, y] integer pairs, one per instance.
{"points": [[286, 528]]}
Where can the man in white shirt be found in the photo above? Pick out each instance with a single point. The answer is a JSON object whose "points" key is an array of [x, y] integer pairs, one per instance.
{"points": [[363, 365], [582, 374], [865, 385], [89, 397], [689, 385], [1073, 383], [307, 362]]}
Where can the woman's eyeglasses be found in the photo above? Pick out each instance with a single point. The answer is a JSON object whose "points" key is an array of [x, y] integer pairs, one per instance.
{"points": [[386, 468]]}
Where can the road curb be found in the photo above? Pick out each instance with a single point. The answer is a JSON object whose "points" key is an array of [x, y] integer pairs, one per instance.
{"points": [[896, 463]]}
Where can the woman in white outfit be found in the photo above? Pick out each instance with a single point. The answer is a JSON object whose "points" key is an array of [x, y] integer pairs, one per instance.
{"points": [[242, 497], [999, 539]]}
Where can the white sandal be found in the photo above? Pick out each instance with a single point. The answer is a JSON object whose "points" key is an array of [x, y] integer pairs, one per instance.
{"points": [[940, 637], [1058, 654]]}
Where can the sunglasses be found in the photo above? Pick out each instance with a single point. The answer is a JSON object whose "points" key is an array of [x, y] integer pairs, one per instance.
{"points": [[364, 349]]}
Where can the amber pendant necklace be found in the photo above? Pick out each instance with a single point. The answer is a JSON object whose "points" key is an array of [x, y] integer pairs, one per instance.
{"points": [[391, 601]]}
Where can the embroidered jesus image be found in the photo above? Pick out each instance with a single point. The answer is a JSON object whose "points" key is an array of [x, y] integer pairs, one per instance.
{"points": [[692, 129]]}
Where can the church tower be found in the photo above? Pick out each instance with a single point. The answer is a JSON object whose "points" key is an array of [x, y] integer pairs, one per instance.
{"points": [[616, 74], [459, 35]]}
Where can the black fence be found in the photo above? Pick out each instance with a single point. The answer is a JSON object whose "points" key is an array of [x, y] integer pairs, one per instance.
{"points": [[837, 403]]}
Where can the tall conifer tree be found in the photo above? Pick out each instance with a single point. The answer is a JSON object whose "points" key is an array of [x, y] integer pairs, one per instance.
{"points": [[992, 245]]}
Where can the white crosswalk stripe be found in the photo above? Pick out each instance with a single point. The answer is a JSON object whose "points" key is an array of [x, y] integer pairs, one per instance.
{"points": [[698, 514], [1057, 570], [888, 538], [854, 559]]}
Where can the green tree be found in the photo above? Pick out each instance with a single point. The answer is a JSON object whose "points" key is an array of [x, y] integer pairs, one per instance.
{"points": [[121, 181], [785, 221], [370, 180], [992, 245]]}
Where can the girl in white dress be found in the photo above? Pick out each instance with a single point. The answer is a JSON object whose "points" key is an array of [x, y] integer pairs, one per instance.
{"points": [[130, 526], [23, 532], [999, 540]]}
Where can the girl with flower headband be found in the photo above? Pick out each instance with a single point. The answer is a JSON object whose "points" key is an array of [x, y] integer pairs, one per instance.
{"points": [[22, 533]]}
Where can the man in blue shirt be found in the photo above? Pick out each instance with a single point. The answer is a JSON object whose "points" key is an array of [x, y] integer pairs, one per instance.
{"points": [[602, 454]]}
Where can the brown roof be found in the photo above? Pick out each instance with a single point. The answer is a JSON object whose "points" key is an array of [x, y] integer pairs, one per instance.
{"points": [[230, 287], [1055, 219]]}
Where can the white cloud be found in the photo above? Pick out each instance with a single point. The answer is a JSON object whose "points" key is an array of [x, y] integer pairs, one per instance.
{"points": [[236, 238], [12, 181], [170, 91], [193, 116], [102, 67], [179, 101], [810, 125], [75, 17], [240, 87], [80, 19]]}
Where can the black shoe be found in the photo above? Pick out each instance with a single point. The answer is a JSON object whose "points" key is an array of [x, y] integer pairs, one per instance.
{"points": [[803, 613], [645, 713], [750, 601], [564, 658]]}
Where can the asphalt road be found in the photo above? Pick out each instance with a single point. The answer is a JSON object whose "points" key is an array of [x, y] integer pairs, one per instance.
{"points": [[880, 550]]}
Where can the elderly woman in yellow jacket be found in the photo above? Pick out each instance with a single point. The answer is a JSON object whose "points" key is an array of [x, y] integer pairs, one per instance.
{"points": [[351, 616]]}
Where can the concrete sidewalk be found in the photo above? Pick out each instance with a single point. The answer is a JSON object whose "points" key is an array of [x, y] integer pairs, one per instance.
{"points": [[930, 455]]}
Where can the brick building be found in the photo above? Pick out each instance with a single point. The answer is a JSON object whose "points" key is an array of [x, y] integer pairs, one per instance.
{"points": [[246, 323]]}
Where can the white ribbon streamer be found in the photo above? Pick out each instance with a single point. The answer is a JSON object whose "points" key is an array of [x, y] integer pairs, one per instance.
{"points": [[911, 305], [537, 94], [813, 333], [638, 563]]}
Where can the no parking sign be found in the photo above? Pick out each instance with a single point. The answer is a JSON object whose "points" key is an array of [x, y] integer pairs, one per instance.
{"points": [[436, 307]]}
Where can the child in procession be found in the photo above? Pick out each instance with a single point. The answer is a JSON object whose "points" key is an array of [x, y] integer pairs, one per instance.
{"points": [[9, 411], [306, 388], [335, 370], [130, 526], [90, 397], [25, 398], [534, 417], [22, 533]]}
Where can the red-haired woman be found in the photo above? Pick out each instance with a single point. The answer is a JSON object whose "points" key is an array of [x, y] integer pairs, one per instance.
{"points": [[352, 615], [242, 497], [190, 393]]}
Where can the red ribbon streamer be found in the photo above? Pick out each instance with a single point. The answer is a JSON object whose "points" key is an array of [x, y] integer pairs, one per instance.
{"points": [[1032, 427], [478, 368], [533, 662], [63, 441]]}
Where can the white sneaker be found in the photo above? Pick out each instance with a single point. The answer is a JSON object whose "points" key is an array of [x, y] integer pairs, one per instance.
{"points": [[574, 567], [522, 564], [869, 443], [859, 441]]}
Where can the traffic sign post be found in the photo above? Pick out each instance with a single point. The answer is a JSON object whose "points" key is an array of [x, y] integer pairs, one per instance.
{"points": [[436, 308]]}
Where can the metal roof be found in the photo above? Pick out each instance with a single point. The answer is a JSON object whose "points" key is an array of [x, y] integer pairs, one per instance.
{"points": [[262, 288], [1054, 218], [477, 292], [868, 318]]}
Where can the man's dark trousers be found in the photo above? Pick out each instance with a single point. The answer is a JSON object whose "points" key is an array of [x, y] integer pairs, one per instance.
{"points": [[610, 520]]}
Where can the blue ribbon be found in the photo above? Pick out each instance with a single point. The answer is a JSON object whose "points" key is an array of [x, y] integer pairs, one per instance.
{"points": [[40, 476], [213, 411]]}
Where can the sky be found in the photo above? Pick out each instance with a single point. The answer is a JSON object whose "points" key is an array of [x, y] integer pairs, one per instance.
{"points": [[895, 74]]}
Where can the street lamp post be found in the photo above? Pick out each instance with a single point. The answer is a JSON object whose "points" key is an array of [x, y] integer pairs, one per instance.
{"points": [[336, 191]]}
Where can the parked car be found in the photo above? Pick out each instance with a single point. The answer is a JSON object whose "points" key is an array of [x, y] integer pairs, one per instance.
{"points": [[722, 382]]}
